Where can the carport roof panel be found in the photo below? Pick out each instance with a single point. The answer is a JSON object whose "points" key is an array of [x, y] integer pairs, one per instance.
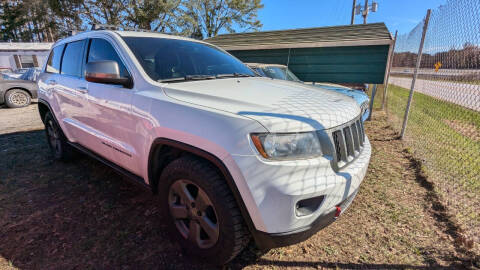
{"points": [[333, 36]]}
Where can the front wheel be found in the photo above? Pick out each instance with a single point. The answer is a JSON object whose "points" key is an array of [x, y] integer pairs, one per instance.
{"points": [[201, 211]]}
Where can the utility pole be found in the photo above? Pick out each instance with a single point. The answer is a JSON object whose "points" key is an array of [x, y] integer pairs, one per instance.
{"points": [[365, 12], [358, 9], [353, 12]]}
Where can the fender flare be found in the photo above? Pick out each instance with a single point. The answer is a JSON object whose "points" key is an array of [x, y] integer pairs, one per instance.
{"points": [[44, 102], [217, 162]]}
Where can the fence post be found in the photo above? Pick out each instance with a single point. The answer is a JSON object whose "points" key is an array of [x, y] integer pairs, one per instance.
{"points": [[415, 71], [374, 92], [390, 62]]}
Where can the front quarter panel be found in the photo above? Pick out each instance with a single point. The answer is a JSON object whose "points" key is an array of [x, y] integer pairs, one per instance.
{"points": [[219, 133]]}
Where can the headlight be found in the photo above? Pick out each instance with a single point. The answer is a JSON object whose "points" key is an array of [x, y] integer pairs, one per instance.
{"points": [[287, 146]]}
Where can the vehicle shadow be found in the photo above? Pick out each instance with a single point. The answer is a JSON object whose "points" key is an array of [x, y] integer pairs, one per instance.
{"points": [[56, 215], [82, 214]]}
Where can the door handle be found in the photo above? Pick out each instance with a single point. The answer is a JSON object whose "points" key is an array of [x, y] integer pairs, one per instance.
{"points": [[52, 82], [82, 90]]}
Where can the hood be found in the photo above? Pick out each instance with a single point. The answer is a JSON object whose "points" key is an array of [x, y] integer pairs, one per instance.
{"points": [[359, 96], [280, 106]]}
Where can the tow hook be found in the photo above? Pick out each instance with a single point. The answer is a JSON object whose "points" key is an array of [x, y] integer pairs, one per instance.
{"points": [[338, 211]]}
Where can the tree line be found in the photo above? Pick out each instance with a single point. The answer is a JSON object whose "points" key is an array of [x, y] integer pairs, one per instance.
{"points": [[467, 57], [50, 20]]}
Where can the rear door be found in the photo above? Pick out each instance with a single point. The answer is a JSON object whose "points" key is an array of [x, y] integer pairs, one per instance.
{"points": [[110, 108], [70, 92]]}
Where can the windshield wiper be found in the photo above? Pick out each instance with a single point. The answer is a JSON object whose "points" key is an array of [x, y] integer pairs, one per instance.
{"points": [[200, 77], [189, 78], [233, 75], [173, 79]]}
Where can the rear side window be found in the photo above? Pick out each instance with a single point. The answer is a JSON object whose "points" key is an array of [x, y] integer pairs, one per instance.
{"points": [[102, 50], [53, 63], [72, 59]]}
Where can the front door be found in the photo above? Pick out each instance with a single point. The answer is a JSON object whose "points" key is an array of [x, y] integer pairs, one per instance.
{"points": [[110, 106]]}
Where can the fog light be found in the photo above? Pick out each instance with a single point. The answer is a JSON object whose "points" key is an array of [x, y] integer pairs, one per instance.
{"points": [[308, 206]]}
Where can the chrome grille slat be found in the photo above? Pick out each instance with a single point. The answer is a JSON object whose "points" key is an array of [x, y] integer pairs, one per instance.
{"points": [[340, 148], [336, 144], [361, 133], [356, 137], [348, 140], [343, 147]]}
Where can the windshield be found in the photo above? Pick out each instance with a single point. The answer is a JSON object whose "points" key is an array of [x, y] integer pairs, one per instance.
{"points": [[165, 59], [281, 73]]}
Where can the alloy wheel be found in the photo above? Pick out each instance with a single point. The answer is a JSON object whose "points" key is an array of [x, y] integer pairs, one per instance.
{"points": [[193, 213], [53, 137]]}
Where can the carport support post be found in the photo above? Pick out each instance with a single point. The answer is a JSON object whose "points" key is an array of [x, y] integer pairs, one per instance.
{"points": [[390, 62], [415, 71], [374, 91]]}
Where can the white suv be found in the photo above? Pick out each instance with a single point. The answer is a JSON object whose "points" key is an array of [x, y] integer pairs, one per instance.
{"points": [[231, 155]]}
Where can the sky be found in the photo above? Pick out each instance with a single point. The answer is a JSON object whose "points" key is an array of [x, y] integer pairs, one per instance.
{"points": [[401, 15]]}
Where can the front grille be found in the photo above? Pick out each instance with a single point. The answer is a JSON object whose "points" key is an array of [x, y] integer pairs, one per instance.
{"points": [[348, 140]]}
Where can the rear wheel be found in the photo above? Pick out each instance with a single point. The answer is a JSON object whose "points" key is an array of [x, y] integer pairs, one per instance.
{"points": [[57, 141], [17, 98], [201, 211]]}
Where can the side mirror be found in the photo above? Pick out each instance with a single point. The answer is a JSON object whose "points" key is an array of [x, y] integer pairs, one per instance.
{"points": [[106, 72]]}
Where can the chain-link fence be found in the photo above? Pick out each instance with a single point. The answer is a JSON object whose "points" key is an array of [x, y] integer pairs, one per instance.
{"points": [[443, 128]]}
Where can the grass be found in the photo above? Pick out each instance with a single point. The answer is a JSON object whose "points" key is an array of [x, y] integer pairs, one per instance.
{"points": [[446, 137], [81, 214]]}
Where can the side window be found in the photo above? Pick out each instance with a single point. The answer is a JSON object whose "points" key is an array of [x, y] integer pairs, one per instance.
{"points": [[72, 59], [102, 50], [53, 63]]}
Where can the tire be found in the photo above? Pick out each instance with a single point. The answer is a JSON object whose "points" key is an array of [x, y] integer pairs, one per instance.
{"points": [[57, 141], [17, 98], [214, 210]]}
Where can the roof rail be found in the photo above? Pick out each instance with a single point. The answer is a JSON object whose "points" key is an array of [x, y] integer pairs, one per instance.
{"points": [[117, 27]]}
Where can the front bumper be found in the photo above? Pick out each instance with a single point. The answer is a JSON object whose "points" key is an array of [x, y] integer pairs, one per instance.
{"points": [[273, 240], [277, 187]]}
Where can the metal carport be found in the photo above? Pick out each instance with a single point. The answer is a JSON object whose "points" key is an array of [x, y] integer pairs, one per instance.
{"points": [[337, 54]]}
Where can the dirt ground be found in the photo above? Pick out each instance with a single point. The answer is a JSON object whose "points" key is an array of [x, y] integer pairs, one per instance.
{"points": [[22, 119], [82, 215]]}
